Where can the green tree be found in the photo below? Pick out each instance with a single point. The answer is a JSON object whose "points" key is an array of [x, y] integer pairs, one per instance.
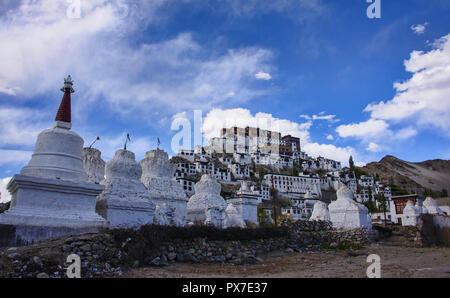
{"points": [[274, 195], [444, 193], [263, 218], [260, 173], [397, 190], [429, 193], [351, 163], [371, 206], [377, 177], [297, 166]]}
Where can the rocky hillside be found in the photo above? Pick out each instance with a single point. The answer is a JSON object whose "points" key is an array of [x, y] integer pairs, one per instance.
{"points": [[415, 177]]}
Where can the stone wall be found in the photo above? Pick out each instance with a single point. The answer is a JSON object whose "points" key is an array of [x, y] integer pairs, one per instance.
{"points": [[320, 234], [432, 230], [106, 254]]}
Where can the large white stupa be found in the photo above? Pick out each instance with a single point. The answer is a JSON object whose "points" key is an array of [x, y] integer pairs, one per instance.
{"points": [[52, 193], [345, 213]]}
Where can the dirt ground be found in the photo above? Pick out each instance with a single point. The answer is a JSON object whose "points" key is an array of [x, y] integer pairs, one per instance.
{"points": [[396, 262]]}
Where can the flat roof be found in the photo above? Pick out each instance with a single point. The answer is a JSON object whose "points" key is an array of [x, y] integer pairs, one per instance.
{"points": [[403, 196]]}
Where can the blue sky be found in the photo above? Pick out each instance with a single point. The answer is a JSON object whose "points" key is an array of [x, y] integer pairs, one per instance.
{"points": [[321, 70]]}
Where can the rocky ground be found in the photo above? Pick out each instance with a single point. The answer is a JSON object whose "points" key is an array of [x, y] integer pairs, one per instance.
{"points": [[396, 262]]}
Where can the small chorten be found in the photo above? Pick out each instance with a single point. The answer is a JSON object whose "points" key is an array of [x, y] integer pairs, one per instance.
{"points": [[234, 219], [246, 203], [125, 201], [320, 212], [207, 197], [411, 215], [94, 165], [158, 177], [432, 207]]}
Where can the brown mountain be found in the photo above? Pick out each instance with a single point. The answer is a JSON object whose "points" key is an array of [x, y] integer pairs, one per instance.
{"points": [[415, 177]]}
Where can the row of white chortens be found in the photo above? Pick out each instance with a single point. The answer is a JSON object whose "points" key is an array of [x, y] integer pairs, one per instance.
{"points": [[411, 212], [57, 190]]}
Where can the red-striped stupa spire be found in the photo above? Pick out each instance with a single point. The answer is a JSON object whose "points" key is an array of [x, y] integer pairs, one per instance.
{"points": [[64, 111]]}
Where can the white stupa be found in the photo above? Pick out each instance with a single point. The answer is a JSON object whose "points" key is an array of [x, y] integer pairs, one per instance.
{"points": [[411, 214], [158, 177], [125, 201], [320, 212], [233, 218], [53, 191], [94, 165], [345, 213], [246, 203], [207, 201], [432, 207]]}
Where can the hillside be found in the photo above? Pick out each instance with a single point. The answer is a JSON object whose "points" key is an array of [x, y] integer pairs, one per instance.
{"points": [[414, 177]]}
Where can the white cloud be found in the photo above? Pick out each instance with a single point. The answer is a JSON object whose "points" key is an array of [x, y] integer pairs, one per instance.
{"points": [[99, 53], [263, 76], [321, 116], [20, 126], [405, 133], [373, 147], [421, 102], [5, 196], [180, 115], [424, 98], [231, 94], [369, 129], [330, 151], [298, 10], [419, 28], [330, 137], [14, 157]]}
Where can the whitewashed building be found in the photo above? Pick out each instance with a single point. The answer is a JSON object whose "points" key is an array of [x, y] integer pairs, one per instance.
{"points": [[294, 184]]}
